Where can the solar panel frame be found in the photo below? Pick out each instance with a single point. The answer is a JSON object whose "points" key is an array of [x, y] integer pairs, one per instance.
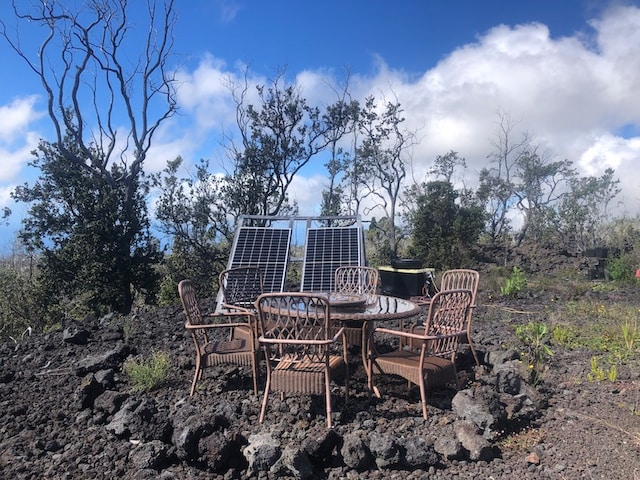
{"points": [[326, 249], [266, 248]]}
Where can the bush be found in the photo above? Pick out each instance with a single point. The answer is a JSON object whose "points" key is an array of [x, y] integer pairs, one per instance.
{"points": [[515, 284], [149, 374], [623, 268], [20, 308]]}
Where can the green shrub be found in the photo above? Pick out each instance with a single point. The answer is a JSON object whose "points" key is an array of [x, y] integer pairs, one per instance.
{"points": [[563, 335], [598, 373], [515, 284], [149, 374], [623, 268], [21, 305], [533, 336]]}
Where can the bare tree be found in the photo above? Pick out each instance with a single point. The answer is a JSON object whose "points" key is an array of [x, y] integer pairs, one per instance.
{"points": [[496, 188], [382, 160], [341, 119], [92, 87], [109, 88]]}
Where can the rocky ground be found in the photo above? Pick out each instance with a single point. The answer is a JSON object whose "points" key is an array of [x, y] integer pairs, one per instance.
{"points": [[67, 410]]}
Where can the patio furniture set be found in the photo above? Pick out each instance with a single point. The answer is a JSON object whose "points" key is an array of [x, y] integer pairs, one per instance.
{"points": [[303, 337]]}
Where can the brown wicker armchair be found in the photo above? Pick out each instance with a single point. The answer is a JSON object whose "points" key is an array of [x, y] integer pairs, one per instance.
{"points": [[300, 347], [358, 281], [241, 286], [462, 279], [433, 362], [223, 339]]}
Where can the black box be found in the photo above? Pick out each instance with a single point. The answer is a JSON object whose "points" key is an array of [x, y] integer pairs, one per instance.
{"points": [[403, 282]]}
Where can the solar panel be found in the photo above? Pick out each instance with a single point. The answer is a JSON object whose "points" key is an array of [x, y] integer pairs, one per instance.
{"points": [[265, 248], [325, 250]]}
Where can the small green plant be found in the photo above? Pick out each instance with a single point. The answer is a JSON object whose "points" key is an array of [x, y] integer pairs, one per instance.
{"points": [[598, 373], [149, 374], [533, 336], [562, 335], [515, 284], [629, 328], [128, 329]]}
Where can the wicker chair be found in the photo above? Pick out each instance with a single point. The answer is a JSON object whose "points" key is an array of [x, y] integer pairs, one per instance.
{"points": [[356, 280], [465, 279], [302, 353], [433, 363], [223, 339], [241, 286]]}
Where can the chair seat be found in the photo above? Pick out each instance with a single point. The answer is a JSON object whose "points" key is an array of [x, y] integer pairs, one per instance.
{"points": [[236, 345], [437, 371], [303, 375], [237, 352]]}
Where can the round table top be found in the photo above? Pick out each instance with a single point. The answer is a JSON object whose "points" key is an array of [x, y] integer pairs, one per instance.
{"points": [[375, 307]]}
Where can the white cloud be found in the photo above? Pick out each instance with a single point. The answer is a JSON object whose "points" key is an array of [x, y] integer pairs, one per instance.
{"points": [[307, 192], [15, 158], [570, 93], [574, 94], [16, 117], [5, 196], [16, 140]]}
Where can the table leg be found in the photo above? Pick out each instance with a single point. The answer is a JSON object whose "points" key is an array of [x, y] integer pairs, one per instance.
{"points": [[367, 338], [364, 342]]}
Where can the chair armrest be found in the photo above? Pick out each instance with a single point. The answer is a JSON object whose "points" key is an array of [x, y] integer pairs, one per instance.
{"points": [[399, 333], [418, 336], [191, 326], [223, 320], [227, 308]]}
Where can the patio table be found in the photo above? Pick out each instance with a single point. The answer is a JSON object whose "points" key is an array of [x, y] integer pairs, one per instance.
{"points": [[376, 307], [365, 310]]}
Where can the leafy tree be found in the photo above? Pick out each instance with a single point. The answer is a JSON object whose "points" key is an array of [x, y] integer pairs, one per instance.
{"points": [[377, 242], [521, 179], [445, 166], [444, 231], [192, 213], [88, 213], [538, 189], [580, 219], [278, 137], [92, 247]]}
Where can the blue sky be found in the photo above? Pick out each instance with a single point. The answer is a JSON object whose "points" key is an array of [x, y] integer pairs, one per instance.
{"points": [[565, 71]]}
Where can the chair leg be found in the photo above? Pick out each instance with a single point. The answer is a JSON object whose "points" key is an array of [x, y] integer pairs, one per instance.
{"points": [[196, 376], [254, 367], [473, 350], [265, 399], [423, 396], [327, 399]]}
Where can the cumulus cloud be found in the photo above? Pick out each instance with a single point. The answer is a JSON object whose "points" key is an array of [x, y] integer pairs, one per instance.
{"points": [[571, 94], [16, 139]]}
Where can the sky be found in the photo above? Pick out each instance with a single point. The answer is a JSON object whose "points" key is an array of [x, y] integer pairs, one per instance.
{"points": [[566, 72]]}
